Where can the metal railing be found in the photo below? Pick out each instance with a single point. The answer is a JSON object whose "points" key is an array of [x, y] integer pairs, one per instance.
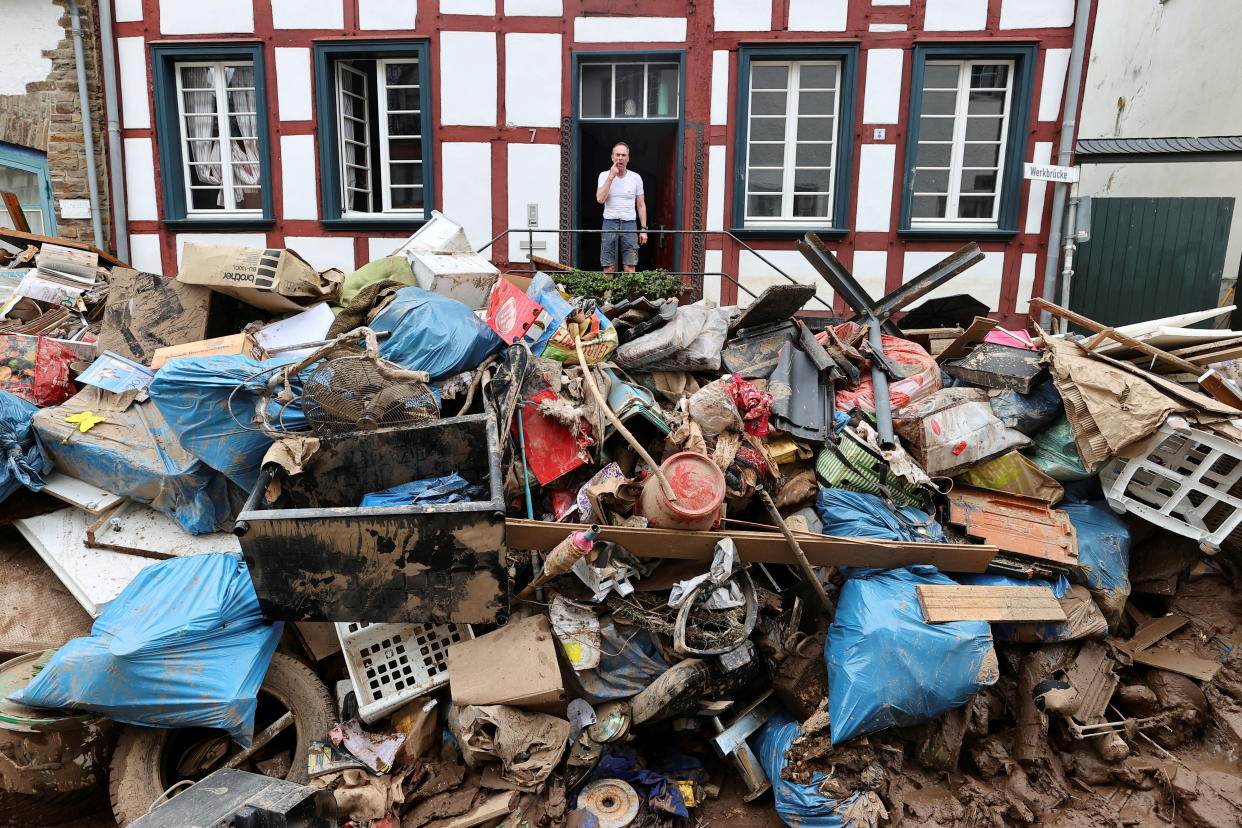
{"points": [[531, 231]]}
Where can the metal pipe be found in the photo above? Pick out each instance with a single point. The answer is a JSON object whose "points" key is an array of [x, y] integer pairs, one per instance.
{"points": [[1069, 245], [879, 388], [1069, 125], [88, 135], [116, 173]]}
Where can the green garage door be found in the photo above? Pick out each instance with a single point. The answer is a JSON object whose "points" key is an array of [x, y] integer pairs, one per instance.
{"points": [[1151, 257]]}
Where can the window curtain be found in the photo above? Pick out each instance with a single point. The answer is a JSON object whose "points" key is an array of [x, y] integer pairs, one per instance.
{"points": [[245, 150], [202, 103]]}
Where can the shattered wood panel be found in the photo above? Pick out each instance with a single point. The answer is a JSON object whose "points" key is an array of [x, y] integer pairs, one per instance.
{"points": [[1197, 668], [943, 603], [430, 568], [1093, 675], [1016, 524], [1153, 630], [761, 547]]}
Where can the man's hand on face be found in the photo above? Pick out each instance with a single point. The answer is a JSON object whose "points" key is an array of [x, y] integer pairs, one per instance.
{"points": [[617, 169]]}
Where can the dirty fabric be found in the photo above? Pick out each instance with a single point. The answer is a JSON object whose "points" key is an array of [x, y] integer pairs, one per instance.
{"points": [[451, 488], [653, 779], [754, 405], [887, 667], [184, 645], [391, 269], [24, 461], [629, 661], [1028, 412], [527, 745]]}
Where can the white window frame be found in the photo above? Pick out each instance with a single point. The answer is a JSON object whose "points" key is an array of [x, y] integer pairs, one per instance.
{"points": [[382, 136], [223, 136], [958, 148], [342, 67], [789, 170], [612, 87]]}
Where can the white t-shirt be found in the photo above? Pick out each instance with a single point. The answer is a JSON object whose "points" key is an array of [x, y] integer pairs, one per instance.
{"points": [[622, 194]]}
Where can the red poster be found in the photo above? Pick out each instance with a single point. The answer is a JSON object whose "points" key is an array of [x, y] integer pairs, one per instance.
{"points": [[510, 313]]}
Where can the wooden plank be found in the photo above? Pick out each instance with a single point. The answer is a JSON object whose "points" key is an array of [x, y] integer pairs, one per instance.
{"points": [[20, 239], [979, 328], [77, 493], [760, 547], [1197, 668], [941, 603], [14, 206], [1152, 630]]}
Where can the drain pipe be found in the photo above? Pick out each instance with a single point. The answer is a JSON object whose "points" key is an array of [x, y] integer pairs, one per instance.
{"points": [[116, 175], [1069, 125], [88, 136]]}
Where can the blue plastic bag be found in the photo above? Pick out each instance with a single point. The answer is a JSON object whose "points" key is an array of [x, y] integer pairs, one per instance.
{"points": [[543, 290], [184, 645], [798, 805], [451, 488], [433, 333], [192, 393], [1103, 555], [628, 661], [848, 514], [887, 667], [1028, 412], [24, 462]]}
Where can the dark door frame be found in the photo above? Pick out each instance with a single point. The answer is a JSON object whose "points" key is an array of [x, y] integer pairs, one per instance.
{"points": [[580, 57]]}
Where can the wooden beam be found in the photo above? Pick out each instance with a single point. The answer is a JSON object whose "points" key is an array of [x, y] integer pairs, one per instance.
{"points": [[16, 215], [760, 547], [19, 238], [941, 603]]}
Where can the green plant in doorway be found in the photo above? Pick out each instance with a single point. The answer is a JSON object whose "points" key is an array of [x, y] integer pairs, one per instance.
{"points": [[654, 284]]}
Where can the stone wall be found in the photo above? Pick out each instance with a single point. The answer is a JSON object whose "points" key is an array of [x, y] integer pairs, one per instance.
{"points": [[47, 118]]}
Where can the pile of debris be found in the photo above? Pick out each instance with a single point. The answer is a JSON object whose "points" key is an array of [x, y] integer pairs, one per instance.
{"points": [[432, 545]]}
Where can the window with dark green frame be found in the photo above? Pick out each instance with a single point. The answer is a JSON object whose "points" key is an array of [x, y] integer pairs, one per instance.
{"points": [[965, 145], [373, 109], [211, 113], [794, 138]]}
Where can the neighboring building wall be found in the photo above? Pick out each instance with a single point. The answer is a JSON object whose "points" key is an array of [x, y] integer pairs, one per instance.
{"points": [[1163, 70], [502, 71], [39, 104]]}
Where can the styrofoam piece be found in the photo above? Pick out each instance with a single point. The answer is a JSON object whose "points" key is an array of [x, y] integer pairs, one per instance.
{"points": [[1186, 480], [441, 234], [96, 576], [81, 494], [466, 277], [390, 664]]}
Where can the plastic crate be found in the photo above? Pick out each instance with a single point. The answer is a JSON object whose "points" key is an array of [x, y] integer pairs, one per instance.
{"points": [[390, 664], [1186, 480]]}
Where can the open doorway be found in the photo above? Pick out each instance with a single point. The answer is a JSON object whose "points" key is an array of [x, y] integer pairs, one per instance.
{"points": [[653, 155]]}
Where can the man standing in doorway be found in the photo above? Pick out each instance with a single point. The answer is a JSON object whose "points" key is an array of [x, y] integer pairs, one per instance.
{"points": [[620, 190]]}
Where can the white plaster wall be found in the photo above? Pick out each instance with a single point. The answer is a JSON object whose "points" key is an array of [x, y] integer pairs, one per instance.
{"points": [[206, 16], [468, 78], [487, 7], [131, 58], [1026, 282], [386, 15], [629, 29], [1186, 180], [743, 15], [1173, 64], [324, 252], [31, 26], [717, 173], [882, 93], [534, 178], [1052, 84], [382, 248], [299, 199], [720, 87], [293, 83], [982, 281], [871, 270], [127, 11], [757, 275], [234, 239], [886, 27], [144, 252], [890, 2], [467, 199], [1042, 154], [712, 263], [534, 8], [308, 14], [818, 15], [1040, 14], [533, 79], [958, 15], [140, 180], [876, 164]]}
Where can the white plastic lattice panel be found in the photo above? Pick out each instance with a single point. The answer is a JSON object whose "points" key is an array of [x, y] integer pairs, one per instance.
{"points": [[390, 664], [1186, 480]]}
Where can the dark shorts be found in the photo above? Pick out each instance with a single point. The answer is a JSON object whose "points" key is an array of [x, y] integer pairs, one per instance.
{"points": [[612, 241]]}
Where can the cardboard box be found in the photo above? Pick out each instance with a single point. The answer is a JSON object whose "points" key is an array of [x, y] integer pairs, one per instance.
{"points": [[221, 346], [516, 664], [147, 312], [275, 280]]}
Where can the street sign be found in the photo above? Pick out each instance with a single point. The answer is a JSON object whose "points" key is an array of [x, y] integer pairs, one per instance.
{"points": [[1049, 172]]}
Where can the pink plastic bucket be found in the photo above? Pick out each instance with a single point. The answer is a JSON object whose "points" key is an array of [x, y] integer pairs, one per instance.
{"points": [[700, 489]]}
